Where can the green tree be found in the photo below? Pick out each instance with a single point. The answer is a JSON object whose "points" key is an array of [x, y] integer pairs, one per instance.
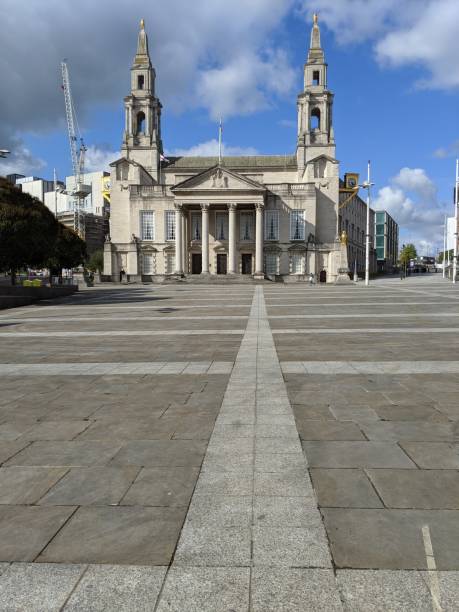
{"points": [[28, 230], [69, 251], [407, 253], [96, 262]]}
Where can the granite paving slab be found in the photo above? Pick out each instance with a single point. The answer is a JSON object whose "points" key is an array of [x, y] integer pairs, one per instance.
{"points": [[114, 587], [384, 590], [206, 589], [38, 587], [294, 590]]}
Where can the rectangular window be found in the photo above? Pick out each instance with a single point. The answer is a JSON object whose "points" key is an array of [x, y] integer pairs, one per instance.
{"points": [[297, 223], [196, 220], [380, 217], [221, 226], [271, 225], [297, 263], [170, 224], [169, 264], [380, 253], [380, 241], [271, 260], [147, 225], [380, 228], [148, 263], [246, 226]]}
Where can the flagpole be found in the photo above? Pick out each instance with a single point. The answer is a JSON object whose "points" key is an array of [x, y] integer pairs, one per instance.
{"points": [[220, 129], [444, 246], [367, 238], [456, 204]]}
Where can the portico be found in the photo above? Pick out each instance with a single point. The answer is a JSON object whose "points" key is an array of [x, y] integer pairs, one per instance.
{"points": [[219, 216]]}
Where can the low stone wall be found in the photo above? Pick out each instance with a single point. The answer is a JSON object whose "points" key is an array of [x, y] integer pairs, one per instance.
{"points": [[11, 297]]}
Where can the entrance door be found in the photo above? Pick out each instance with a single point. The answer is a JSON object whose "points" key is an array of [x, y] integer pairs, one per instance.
{"points": [[196, 263], [221, 263], [246, 263]]}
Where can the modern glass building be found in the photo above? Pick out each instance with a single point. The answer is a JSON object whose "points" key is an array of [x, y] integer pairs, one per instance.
{"points": [[386, 238]]}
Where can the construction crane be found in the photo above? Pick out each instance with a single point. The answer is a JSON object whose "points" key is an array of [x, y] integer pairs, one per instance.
{"points": [[77, 152]]}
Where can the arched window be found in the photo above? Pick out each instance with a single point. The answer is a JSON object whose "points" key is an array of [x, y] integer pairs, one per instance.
{"points": [[316, 77], [140, 122], [315, 119], [140, 81], [320, 167]]}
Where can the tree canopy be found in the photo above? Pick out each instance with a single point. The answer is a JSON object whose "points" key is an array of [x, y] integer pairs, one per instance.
{"points": [[28, 229], [69, 250], [407, 253], [30, 236]]}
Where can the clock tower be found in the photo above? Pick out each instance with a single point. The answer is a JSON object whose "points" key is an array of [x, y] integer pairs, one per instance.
{"points": [[315, 106], [142, 128]]}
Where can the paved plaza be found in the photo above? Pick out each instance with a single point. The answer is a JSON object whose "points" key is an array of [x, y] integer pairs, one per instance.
{"points": [[232, 448]]}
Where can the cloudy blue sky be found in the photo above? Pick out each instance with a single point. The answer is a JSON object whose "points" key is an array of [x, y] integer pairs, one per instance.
{"points": [[393, 66]]}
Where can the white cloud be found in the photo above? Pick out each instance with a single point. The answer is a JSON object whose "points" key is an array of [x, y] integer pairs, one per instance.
{"points": [[451, 150], [210, 149], [413, 32], [240, 86], [217, 55], [99, 158], [411, 199], [20, 160]]}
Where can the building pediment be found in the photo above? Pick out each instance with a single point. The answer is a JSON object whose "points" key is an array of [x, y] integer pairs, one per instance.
{"points": [[218, 179]]}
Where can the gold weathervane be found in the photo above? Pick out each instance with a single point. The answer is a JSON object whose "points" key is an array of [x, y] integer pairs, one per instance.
{"points": [[142, 24]]}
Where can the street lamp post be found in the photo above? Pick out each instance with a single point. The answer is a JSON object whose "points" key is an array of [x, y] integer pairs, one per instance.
{"points": [[367, 185], [456, 205], [444, 246]]}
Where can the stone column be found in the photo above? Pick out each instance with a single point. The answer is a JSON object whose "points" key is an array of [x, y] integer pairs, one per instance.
{"points": [[205, 238], [178, 240], [108, 258], [185, 245], [259, 241], [232, 238]]}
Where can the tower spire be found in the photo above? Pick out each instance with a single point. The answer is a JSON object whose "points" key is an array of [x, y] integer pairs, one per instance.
{"points": [[316, 54], [142, 56]]}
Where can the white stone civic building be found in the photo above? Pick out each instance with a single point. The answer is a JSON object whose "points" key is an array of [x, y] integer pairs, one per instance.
{"points": [[265, 216]]}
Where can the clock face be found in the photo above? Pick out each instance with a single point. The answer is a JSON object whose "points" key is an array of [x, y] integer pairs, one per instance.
{"points": [[351, 182]]}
